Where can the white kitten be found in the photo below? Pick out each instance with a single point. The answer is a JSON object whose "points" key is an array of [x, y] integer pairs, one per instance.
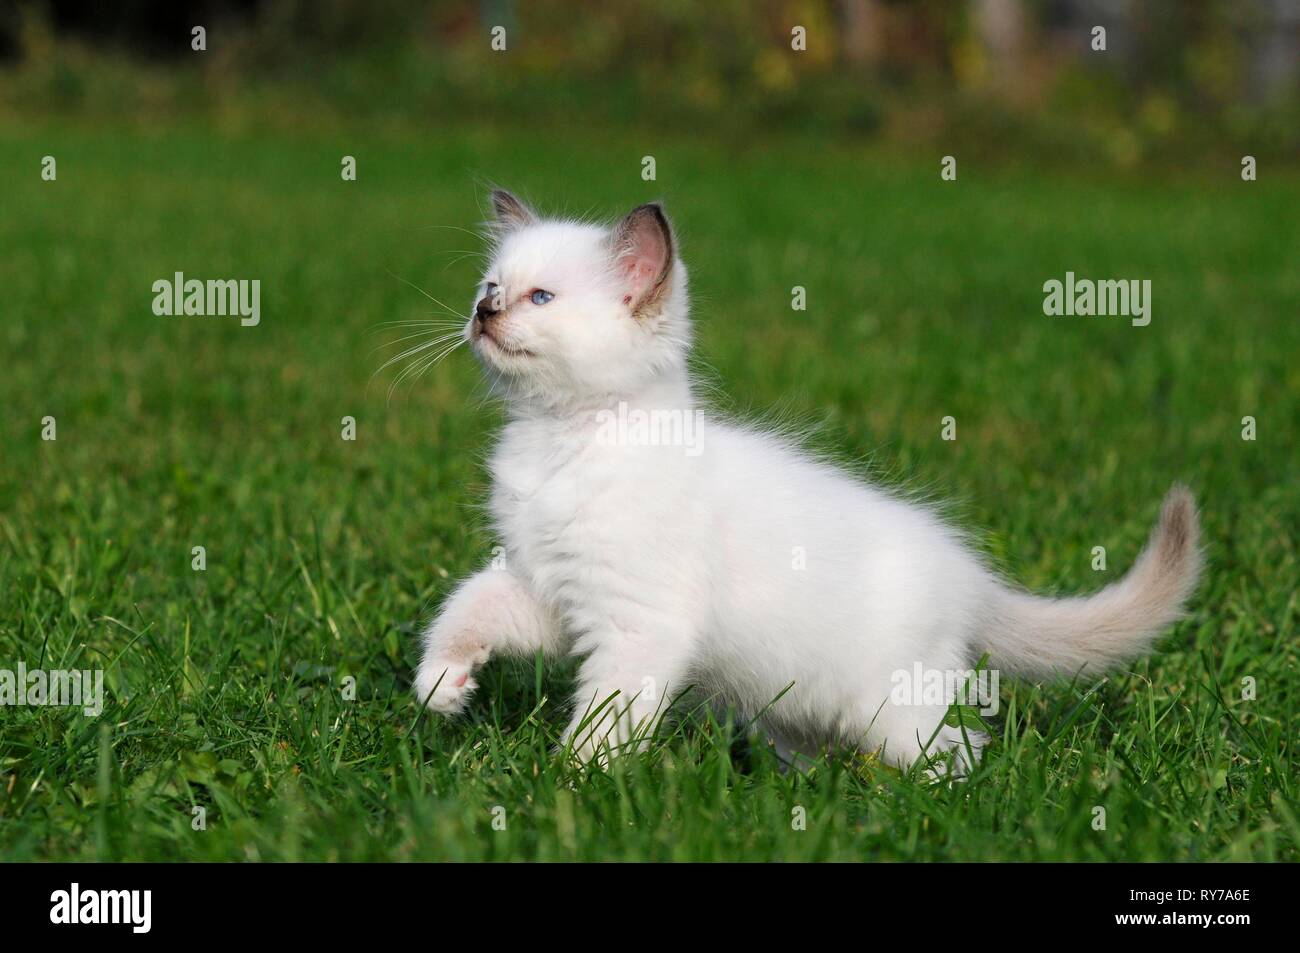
{"points": [[732, 561]]}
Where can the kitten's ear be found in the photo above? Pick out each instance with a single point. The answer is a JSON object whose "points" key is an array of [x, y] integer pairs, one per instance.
{"points": [[510, 212], [643, 250]]}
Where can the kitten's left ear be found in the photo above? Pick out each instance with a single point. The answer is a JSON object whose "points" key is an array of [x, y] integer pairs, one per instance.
{"points": [[509, 211], [643, 250]]}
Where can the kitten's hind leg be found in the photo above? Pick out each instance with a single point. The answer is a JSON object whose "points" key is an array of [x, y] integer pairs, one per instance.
{"points": [[790, 752], [920, 733]]}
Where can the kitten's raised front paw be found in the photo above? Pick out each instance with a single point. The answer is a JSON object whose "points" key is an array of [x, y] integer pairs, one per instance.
{"points": [[443, 685]]}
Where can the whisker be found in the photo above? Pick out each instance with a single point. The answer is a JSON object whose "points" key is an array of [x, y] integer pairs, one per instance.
{"points": [[460, 251], [438, 358], [418, 368], [444, 352], [416, 330], [450, 310], [424, 365], [445, 336], [458, 260], [406, 372], [409, 352], [454, 228], [422, 323]]}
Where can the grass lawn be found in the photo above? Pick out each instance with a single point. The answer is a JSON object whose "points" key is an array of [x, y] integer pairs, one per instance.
{"points": [[225, 687]]}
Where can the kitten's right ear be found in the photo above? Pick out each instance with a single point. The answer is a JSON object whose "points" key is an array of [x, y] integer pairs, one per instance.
{"points": [[510, 212], [643, 256]]}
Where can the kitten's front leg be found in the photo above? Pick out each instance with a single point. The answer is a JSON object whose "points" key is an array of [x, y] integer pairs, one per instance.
{"points": [[491, 611], [624, 688]]}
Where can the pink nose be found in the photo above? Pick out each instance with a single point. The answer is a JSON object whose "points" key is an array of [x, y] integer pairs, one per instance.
{"points": [[461, 680]]}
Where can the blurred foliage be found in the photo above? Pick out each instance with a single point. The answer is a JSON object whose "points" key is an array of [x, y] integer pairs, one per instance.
{"points": [[1179, 81]]}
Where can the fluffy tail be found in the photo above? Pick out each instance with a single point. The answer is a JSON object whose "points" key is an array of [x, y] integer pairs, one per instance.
{"points": [[1040, 637]]}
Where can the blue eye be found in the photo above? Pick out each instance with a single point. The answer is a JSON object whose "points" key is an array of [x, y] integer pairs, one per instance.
{"points": [[540, 297]]}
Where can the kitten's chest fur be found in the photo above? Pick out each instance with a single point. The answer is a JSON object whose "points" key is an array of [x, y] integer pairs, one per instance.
{"points": [[555, 490], [576, 512]]}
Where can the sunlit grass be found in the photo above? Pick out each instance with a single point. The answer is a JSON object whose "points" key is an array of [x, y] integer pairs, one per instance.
{"points": [[226, 687]]}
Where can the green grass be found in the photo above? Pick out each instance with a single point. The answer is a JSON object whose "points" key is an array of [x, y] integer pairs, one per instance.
{"points": [[323, 556]]}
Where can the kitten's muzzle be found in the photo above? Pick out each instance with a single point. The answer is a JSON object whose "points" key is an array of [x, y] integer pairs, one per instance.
{"points": [[483, 325]]}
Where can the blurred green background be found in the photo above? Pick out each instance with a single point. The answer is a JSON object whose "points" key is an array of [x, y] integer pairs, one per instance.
{"points": [[817, 168], [1179, 83]]}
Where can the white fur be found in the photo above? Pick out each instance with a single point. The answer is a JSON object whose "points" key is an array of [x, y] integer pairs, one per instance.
{"points": [[665, 568]]}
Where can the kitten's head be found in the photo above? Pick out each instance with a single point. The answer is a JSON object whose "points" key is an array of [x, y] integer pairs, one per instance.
{"points": [[570, 312]]}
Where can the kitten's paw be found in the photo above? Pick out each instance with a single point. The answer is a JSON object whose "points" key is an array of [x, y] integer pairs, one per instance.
{"points": [[444, 686], [595, 741], [955, 754], [587, 754]]}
